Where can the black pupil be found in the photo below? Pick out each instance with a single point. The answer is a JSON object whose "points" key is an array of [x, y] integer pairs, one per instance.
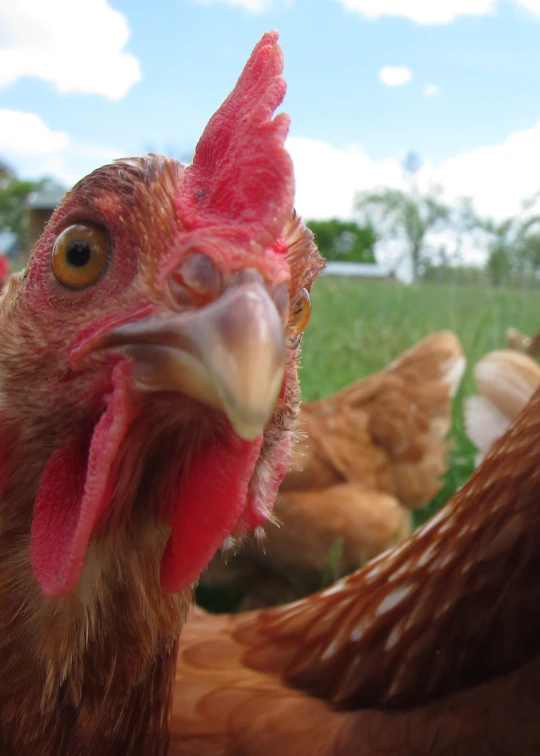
{"points": [[78, 253]]}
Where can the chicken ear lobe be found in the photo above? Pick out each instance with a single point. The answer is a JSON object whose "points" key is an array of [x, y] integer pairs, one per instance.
{"points": [[74, 490]]}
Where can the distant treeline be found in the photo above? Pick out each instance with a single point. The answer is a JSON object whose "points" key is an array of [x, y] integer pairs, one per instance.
{"points": [[344, 240], [463, 275]]}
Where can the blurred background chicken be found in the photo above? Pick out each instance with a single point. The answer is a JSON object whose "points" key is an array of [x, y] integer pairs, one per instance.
{"points": [[505, 380], [365, 458]]}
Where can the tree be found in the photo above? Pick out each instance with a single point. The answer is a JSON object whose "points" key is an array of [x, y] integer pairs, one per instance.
{"points": [[513, 247], [408, 215], [344, 240], [457, 275], [502, 262], [528, 249], [405, 215], [14, 194]]}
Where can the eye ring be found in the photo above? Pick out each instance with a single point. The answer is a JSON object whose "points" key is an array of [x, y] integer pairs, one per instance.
{"points": [[300, 313], [80, 255]]}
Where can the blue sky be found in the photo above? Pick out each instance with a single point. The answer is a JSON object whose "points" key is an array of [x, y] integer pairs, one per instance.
{"points": [[84, 81]]}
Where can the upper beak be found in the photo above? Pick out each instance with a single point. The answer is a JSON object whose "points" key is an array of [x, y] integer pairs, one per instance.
{"points": [[229, 354]]}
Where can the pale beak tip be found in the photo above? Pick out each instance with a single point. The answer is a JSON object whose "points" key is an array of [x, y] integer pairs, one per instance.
{"points": [[248, 422], [249, 402], [246, 429]]}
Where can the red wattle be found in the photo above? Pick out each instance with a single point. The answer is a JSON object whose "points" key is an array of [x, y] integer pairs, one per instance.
{"points": [[260, 502], [212, 497], [74, 490]]}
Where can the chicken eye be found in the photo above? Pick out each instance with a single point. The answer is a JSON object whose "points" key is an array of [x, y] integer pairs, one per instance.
{"points": [[301, 312], [79, 255]]}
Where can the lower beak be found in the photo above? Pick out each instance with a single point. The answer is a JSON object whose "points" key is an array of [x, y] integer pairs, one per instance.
{"points": [[229, 355]]}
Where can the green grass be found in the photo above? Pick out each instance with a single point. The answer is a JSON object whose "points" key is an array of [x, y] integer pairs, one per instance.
{"points": [[357, 327]]}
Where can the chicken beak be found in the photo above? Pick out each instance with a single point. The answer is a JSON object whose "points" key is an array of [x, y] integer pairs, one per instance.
{"points": [[229, 355]]}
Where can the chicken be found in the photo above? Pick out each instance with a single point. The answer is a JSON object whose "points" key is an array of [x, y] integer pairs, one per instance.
{"points": [[506, 381], [432, 649], [148, 392], [367, 455]]}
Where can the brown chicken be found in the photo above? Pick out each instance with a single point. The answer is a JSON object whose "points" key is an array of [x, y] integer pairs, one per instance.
{"points": [[506, 380], [366, 456], [148, 392], [433, 649]]}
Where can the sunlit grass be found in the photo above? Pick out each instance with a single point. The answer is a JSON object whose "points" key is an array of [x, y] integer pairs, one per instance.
{"points": [[358, 327]]}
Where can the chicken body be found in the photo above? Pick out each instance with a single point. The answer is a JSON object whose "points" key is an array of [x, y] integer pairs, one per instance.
{"points": [[386, 432], [506, 380], [433, 649], [129, 448], [365, 457]]}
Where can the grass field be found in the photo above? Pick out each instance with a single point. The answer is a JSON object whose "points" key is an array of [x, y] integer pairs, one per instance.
{"points": [[358, 327]]}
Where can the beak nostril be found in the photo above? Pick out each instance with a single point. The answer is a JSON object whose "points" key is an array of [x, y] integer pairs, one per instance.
{"points": [[196, 280], [181, 295]]}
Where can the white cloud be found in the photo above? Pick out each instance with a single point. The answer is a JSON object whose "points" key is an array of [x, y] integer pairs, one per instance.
{"points": [[34, 150], [497, 177], [327, 178], [78, 47], [531, 5], [27, 134], [431, 90], [253, 6], [430, 11], [421, 11], [395, 76]]}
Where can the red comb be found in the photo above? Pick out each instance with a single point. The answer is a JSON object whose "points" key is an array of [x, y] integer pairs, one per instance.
{"points": [[241, 173]]}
